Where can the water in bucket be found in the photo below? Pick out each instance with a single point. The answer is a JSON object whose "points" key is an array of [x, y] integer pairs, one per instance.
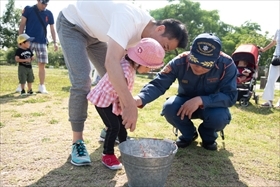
{"points": [[147, 161]]}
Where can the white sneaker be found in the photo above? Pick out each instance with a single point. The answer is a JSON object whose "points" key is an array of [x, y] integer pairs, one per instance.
{"points": [[18, 88], [42, 89], [278, 104]]}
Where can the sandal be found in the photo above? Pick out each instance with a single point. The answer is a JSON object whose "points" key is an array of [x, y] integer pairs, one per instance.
{"points": [[267, 104], [277, 107]]}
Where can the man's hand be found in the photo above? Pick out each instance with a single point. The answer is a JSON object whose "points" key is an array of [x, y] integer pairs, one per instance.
{"points": [[189, 107], [55, 47], [115, 72], [129, 116], [185, 53]]}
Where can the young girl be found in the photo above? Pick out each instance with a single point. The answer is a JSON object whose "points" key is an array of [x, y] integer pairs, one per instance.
{"points": [[146, 55]]}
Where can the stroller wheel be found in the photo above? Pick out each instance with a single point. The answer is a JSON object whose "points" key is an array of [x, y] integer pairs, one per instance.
{"points": [[256, 98], [243, 102]]}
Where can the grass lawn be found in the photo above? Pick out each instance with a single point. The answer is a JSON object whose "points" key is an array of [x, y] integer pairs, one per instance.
{"points": [[36, 141]]}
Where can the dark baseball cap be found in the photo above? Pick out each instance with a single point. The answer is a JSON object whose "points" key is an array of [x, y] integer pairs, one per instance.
{"points": [[205, 50]]}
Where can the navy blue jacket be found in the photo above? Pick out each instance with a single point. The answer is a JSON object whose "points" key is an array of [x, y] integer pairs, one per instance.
{"points": [[217, 88]]}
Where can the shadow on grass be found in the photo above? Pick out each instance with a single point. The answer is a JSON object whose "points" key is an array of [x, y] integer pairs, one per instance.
{"points": [[15, 96], [12, 97], [196, 166], [192, 166], [69, 175], [252, 108]]}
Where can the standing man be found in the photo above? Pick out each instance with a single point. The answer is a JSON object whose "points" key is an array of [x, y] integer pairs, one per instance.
{"points": [[207, 88], [101, 31], [34, 22]]}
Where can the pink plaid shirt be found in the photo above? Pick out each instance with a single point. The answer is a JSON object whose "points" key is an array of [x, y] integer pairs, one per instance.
{"points": [[104, 94]]}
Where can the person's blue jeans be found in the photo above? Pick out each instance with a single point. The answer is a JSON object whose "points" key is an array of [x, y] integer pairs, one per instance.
{"points": [[214, 119]]}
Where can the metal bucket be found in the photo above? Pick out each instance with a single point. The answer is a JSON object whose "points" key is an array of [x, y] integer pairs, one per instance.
{"points": [[147, 161]]}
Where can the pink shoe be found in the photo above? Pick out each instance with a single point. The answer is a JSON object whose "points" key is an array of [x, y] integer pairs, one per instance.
{"points": [[111, 162]]}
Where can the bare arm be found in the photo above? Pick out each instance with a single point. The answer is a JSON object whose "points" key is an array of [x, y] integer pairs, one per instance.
{"points": [[112, 63], [19, 60], [22, 25], [53, 37], [270, 45]]}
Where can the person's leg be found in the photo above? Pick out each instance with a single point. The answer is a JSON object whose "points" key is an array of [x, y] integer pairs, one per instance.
{"points": [[273, 75], [214, 119], [29, 86], [97, 54], [122, 136], [30, 80], [22, 86], [42, 72], [41, 51], [74, 44], [185, 126], [22, 75], [113, 124]]}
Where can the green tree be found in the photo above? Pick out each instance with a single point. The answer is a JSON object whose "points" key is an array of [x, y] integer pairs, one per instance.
{"points": [[9, 25], [55, 57], [199, 21]]}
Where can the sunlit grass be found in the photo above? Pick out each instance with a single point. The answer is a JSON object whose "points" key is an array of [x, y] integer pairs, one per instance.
{"points": [[250, 150]]}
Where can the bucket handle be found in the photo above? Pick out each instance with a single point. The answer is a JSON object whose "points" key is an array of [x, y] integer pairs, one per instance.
{"points": [[173, 142]]}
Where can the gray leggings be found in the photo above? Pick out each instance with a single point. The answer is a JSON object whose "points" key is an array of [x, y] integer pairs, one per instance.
{"points": [[78, 48]]}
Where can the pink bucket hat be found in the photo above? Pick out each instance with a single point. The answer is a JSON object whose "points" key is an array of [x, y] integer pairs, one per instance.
{"points": [[148, 52]]}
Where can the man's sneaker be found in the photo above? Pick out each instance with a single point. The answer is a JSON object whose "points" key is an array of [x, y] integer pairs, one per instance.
{"points": [[30, 92], [103, 135], [111, 162], [79, 154], [42, 89], [18, 88], [22, 92]]}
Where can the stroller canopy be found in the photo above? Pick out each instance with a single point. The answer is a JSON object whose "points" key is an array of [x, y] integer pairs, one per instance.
{"points": [[247, 52]]}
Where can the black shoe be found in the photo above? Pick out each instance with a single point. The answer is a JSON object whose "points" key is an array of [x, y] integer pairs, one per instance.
{"points": [[182, 143], [30, 92], [22, 92], [211, 146]]}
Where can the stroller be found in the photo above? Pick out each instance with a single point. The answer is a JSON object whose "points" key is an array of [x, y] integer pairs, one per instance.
{"points": [[246, 88]]}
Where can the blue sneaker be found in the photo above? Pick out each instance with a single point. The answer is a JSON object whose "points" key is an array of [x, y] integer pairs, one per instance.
{"points": [[103, 135], [79, 154]]}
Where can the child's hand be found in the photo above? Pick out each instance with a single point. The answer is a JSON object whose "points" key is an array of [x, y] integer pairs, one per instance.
{"points": [[246, 72], [138, 101], [28, 60]]}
